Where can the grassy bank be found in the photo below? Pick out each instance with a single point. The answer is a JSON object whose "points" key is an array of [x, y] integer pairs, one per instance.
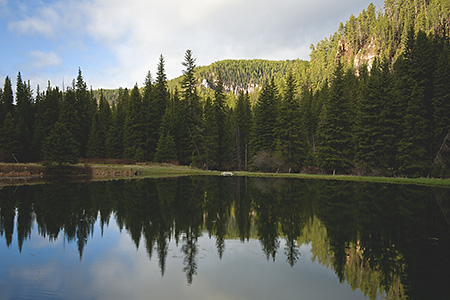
{"points": [[392, 180], [26, 173]]}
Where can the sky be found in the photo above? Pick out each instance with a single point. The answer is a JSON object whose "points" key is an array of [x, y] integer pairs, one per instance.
{"points": [[116, 42]]}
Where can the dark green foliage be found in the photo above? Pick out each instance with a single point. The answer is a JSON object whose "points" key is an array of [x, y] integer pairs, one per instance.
{"points": [[242, 125], [10, 139], [134, 131], [69, 116], [334, 132], [191, 102], [85, 110], [265, 119], [47, 114], [60, 146], [166, 150], [216, 134], [377, 125], [99, 130], [291, 131], [114, 138]]}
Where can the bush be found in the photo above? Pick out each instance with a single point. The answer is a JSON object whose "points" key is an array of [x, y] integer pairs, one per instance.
{"points": [[267, 161]]}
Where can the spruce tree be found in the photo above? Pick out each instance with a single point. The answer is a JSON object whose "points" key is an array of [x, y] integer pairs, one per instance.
{"points": [[70, 117], [10, 142], [221, 118], [47, 114], [134, 131], [7, 100], [166, 150], [334, 132], [376, 121], [114, 139], [191, 102], [242, 121], [25, 117], [291, 130], [265, 119], [415, 145], [85, 109], [181, 133], [60, 146]]}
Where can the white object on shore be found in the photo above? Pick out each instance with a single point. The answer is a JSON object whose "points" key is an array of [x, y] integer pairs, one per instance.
{"points": [[227, 174]]}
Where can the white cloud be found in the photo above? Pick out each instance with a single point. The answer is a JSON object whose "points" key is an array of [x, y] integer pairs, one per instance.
{"points": [[136, 32], [40, 59]]}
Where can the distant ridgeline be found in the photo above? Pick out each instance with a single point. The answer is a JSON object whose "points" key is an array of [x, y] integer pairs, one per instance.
{"points": [[375, 32], [374, 99]]}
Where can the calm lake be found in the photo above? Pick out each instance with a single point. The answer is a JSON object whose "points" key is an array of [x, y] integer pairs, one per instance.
{"points": [[211, 237]]}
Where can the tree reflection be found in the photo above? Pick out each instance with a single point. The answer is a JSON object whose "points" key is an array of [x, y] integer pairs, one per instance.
{"points": [[385, 240]]}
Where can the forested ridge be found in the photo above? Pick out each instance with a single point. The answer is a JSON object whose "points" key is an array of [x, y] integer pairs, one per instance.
{"points": [[373, 100]]}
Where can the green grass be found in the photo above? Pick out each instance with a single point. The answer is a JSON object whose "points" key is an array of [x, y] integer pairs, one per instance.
{"points": [[153, 170], [392, 180]]}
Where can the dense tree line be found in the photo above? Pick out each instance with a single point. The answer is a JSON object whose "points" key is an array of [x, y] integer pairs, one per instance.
{"points": [[389, 117]]}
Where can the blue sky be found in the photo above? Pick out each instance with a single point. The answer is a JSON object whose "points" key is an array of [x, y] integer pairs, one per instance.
{"points": [[116, 42]]}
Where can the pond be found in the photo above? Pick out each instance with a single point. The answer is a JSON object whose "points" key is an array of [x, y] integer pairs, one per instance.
{"points": [[206, 237]]}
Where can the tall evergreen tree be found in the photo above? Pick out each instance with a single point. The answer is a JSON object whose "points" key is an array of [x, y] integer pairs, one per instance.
{"points": [[192, 103], [222, 157], [60, 146], [265, 119], [47, 114], [25, 116], [70, 117], [85, 109], [114, 139], [415, 146], [7, 100], [211, 135], [376, 121], [242, 122], [166, 150], [100, 127], [181, 133], [334, 132], [151, 116], [291, 130], [134, 131], [10, 142]]}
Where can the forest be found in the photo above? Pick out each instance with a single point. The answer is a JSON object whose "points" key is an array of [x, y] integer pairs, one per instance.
{"points": [[373, 100]]}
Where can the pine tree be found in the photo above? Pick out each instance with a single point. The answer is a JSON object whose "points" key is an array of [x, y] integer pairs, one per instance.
{"points": [[415, 145], [7, 100], [60, 146], [242, 121], [10, 143], [376, 121], [25, 117], [291, 130], [334, 132], [181, 132], [191, 101], [85, 109], [134, 131], [47, 114], [265, 119], [441, 95], [115, 136], [211, 135], [166, 150], [221, 119], [70, 118]]}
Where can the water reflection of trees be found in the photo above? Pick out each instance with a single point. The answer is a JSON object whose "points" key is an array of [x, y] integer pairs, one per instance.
{"points": [[383, 239]]}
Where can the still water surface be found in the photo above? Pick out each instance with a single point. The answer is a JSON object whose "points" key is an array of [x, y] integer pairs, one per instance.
{"points": [[224, 238]]}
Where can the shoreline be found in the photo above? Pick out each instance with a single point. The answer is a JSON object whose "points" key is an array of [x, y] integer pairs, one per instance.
{"points": [[33, 173]]}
